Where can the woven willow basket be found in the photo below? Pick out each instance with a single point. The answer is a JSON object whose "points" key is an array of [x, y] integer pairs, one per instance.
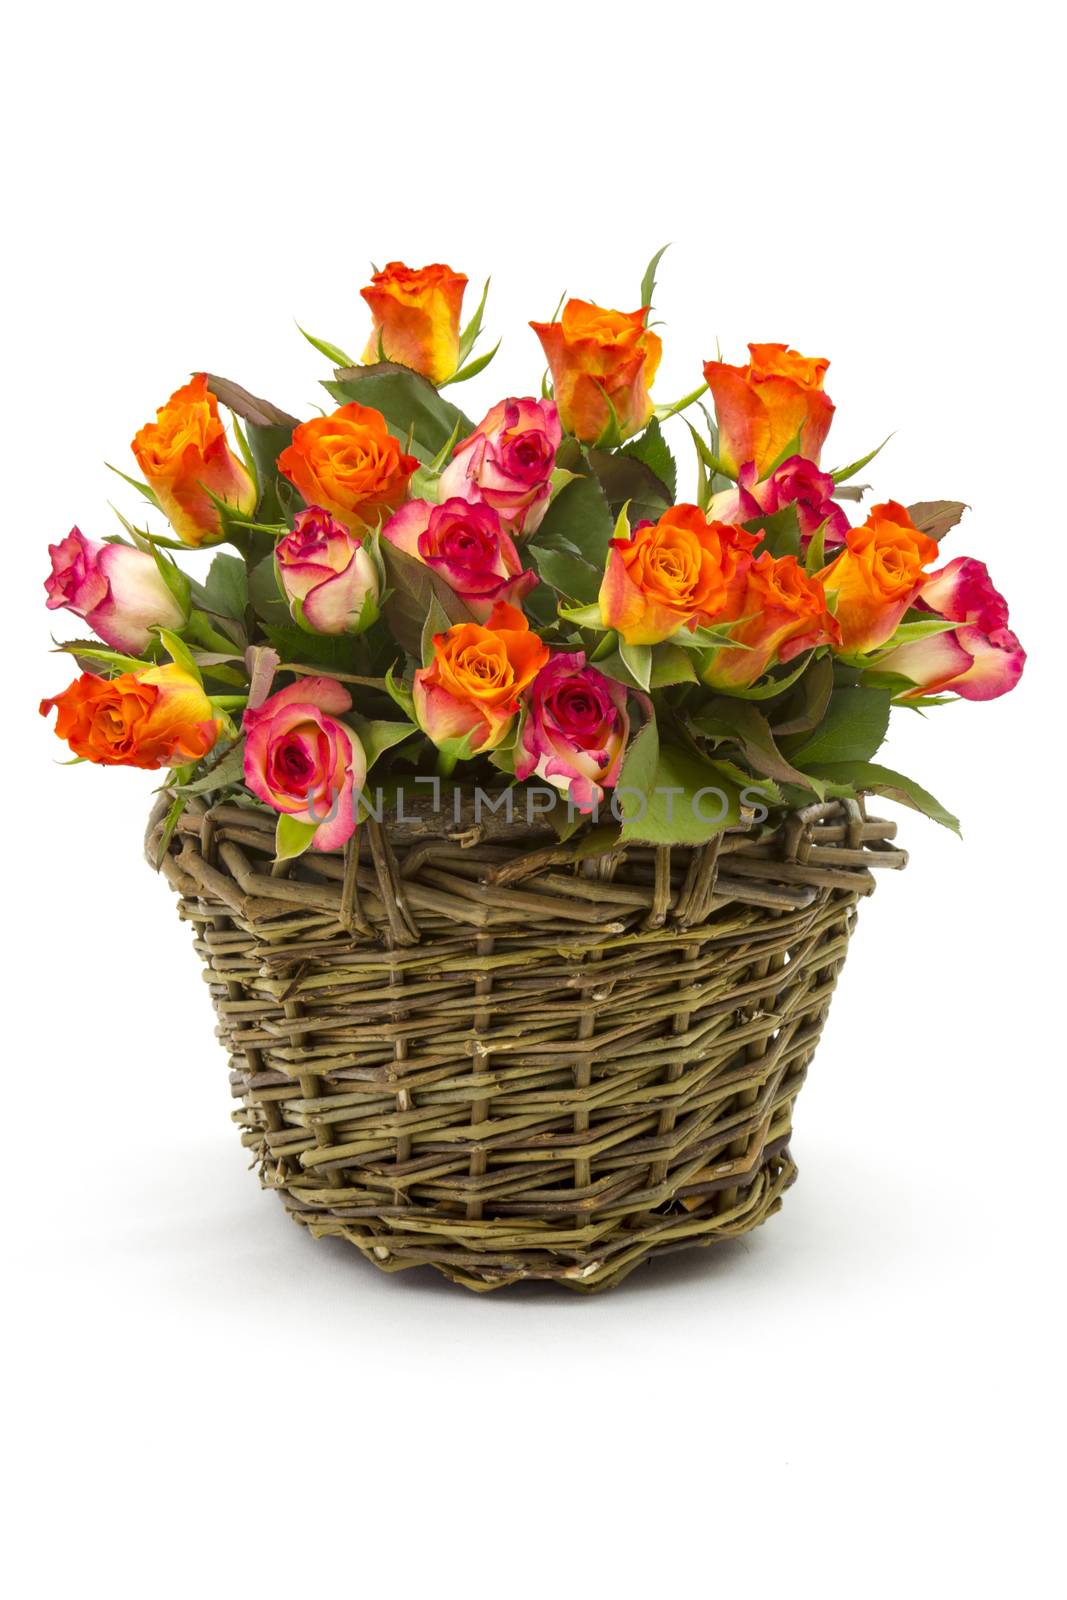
{"points": [[466, 1047]]}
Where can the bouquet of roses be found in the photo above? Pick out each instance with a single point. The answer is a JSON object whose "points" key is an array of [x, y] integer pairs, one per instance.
{"points": [[522, 602]]}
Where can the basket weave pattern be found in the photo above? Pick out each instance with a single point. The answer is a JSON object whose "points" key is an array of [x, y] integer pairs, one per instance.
{"points": [[467, 1047]]}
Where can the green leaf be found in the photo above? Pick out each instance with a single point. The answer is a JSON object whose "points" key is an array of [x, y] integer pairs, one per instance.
{"points": [[862, 777], [229, 770], [332, 352], [269, 430], [579, 520], [806, 708], [292, 838], [936, 517], [265, 594], [652, 450], [648, 282], [326, 652], [768, 688], [178, 651], [740, 721], [853, 728], [377, 737], [669, 796], [437, 621], [568, 574], [628, 481], [226, 587], [472, 368], [842, 474], [412, 585], [638, 660], [780, 531], [414, 411]]}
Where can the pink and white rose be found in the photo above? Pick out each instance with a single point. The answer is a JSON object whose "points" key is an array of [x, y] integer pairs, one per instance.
{"points": [[467, 545], [507, 462], [119, 591], [330, 579], [979, 660], [796, 482], [303, 762], [574, 731]]}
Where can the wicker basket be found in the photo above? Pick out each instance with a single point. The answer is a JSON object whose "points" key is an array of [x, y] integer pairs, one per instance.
{"points": [[472, 1048]]}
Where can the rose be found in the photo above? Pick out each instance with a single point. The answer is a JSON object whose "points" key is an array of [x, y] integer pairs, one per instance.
{"points": [[507, 462], [119, 591], [777, 611], [797, 482], [980, 659], [671, 574], [471, 690], [877, 576], [602, 363], [349, 464], [574, 731], [303, 762], [159, 717], [330, 579], [186, 461], [416, 318], [764, 406], [466, 545]]}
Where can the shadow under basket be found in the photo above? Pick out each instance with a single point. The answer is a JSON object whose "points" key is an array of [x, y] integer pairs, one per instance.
{"points": [[466, 1046]]}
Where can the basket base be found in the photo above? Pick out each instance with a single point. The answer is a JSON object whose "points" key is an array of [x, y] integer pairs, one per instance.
{"points": [[514, 1257]]}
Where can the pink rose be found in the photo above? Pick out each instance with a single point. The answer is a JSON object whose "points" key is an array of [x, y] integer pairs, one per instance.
{"points": [[330, 580], [119, 591], [979, 660], [796, 482], [507, 462], [467, 545], [305, 763], [575, 730]]}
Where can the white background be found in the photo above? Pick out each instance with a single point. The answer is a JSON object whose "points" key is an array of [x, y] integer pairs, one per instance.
{"points": [[861, 1398]]}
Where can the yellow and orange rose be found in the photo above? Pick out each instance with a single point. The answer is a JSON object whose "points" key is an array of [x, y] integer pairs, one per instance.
{"points": [[160, 717], [349, 464], [778, 611], [472, 688], [877, 576], [602, 363], [186, 461], [416, 313], [671, 574], [774, 401]]}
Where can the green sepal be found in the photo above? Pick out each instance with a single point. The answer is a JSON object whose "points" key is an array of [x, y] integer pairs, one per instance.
{"points": [[292, 838]]}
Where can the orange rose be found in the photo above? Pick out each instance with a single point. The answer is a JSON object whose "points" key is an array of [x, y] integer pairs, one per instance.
{"points": [[777, 400], [186, 460], [160, 717], [350, 464], [473, 685], [671, 574], [602, 362], [779, 611], [416, 318], [877, 576]]}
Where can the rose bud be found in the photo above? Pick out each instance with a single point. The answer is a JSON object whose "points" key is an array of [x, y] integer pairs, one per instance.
{"points": [[473, 686], [119, 591], [330, 580], [763, 406], [877, 576], [349, 464], [602, 364], [979, 660], [160, 717], [304, 763], [416, 314], [186, 461], [574, 731], [797, 482], [507, 462], [778, 612], [466, 546], [671, 574]]}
